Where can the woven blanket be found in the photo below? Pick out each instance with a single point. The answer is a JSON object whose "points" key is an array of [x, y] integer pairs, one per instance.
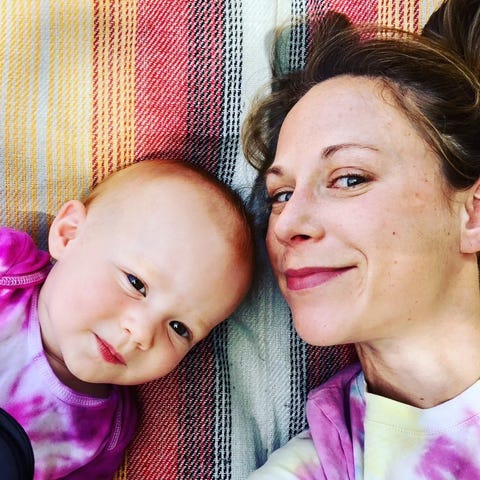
{"points": [[88, 86]]}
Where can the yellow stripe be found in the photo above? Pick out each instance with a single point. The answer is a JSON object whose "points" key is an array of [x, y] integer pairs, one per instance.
{"points": [[53, 115], [21, 80], [398, 14], [390, 14], [127, 45], [409, 15], [69, 109], [45, 73], [384, 13], [102, 134], [115, 134]]}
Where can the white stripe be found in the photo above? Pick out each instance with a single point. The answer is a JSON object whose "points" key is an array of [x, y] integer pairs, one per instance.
{"points": [[41, 121], [259, 21], [259, 332], [426, 8], [232, 70]]}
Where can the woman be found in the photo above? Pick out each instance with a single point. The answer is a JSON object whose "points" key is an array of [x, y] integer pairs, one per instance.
{"points": [[371, 162]]}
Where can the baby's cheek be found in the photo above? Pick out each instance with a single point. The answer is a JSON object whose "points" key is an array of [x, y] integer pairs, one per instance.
{"points": [[160, 362]]}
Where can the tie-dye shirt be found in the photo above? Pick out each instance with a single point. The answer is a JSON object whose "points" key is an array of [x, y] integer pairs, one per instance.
{"points": [[73, 435], [357, 435]]}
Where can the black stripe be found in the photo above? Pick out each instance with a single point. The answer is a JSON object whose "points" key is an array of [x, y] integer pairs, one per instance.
{"points": [[232, 74]]}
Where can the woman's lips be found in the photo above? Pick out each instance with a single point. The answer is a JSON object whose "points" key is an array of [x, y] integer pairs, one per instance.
{"points": [[310, 277], [108, 353]]}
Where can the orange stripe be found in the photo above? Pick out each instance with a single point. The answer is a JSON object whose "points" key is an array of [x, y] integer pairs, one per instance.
{"points": [[113, 126], [402, 14]]}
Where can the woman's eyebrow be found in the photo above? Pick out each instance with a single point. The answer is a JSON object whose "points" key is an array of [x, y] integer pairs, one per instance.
{"points": [[327, 152], [332, 149], [273, 171]]}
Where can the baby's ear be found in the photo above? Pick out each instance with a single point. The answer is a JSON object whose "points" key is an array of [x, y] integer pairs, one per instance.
{"points": [[470, 235], [65, 226]]}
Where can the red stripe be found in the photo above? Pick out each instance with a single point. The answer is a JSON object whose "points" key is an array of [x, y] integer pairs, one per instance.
{"points": [[179, 80], [175, 436], [155, 449], [178, 98], [359, 11], [162, 70], [323, 362], [417, 24]]}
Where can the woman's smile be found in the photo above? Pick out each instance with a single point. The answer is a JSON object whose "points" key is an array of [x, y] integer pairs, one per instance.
{"points": [[310, 277]]}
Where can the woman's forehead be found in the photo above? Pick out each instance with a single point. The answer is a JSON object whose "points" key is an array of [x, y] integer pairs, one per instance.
{"points": [[345, 110]]}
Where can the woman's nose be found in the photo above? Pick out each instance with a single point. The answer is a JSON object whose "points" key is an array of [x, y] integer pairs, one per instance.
{"points": [[298, 221]]}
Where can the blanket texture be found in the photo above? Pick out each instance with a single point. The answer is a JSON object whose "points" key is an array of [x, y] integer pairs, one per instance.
{"points": [[89, 86]]}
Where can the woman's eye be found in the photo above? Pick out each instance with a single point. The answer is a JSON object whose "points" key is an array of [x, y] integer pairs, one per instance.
{"points": [[137, 284], [280, 197], [180, 329], [348, 181]]}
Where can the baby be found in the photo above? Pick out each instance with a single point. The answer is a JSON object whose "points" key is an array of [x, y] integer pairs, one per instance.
{"points": [[157, 256]]}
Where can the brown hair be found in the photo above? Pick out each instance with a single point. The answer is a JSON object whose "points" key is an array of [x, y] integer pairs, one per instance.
{"points": [[431, 83]]}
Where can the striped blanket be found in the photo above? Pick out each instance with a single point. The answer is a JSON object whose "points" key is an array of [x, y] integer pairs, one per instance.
{"points": [[88, 86]]}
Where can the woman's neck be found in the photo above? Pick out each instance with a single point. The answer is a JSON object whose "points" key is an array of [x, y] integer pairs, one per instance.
{"points": [[426, 369]]}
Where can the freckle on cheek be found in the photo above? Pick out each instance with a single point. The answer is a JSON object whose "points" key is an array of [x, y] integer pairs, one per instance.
{"points": [[394, 233]]}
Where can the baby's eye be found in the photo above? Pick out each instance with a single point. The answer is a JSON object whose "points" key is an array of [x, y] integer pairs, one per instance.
{"points": [[348, 181], [280, 197], [137, 284], [180, 329]]}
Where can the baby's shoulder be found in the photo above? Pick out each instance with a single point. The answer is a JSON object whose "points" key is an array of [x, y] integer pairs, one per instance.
{"points": [[20, 258]]}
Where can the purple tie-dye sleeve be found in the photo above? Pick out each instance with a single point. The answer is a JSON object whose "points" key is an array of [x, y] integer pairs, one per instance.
{"points": [[19, 256], [22, 266]]}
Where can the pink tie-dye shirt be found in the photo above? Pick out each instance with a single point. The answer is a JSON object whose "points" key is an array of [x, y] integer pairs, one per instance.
{"points": [[73, 435], [357, 435]]}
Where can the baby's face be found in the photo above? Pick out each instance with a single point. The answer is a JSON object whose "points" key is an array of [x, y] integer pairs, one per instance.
{"points": [[139, 285]]}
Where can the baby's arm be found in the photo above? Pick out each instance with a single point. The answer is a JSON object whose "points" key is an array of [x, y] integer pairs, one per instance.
{"points": [[297, 460]]}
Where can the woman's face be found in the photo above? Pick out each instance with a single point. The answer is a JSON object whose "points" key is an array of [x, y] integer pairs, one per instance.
{"points": [[362, 238]]}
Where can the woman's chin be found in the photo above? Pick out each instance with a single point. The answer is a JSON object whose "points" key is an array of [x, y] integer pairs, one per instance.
{"points": [[320, 329]]}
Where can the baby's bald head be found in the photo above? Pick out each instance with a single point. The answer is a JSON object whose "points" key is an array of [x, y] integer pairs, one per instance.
{"points": [[143, 179]]}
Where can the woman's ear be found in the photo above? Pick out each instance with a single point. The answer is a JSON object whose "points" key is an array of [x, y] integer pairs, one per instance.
{"points": [[65, 226], [470, 234]]}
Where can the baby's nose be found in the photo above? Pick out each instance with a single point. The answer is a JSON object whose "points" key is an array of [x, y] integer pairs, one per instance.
{"points": [[141, 332]]}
